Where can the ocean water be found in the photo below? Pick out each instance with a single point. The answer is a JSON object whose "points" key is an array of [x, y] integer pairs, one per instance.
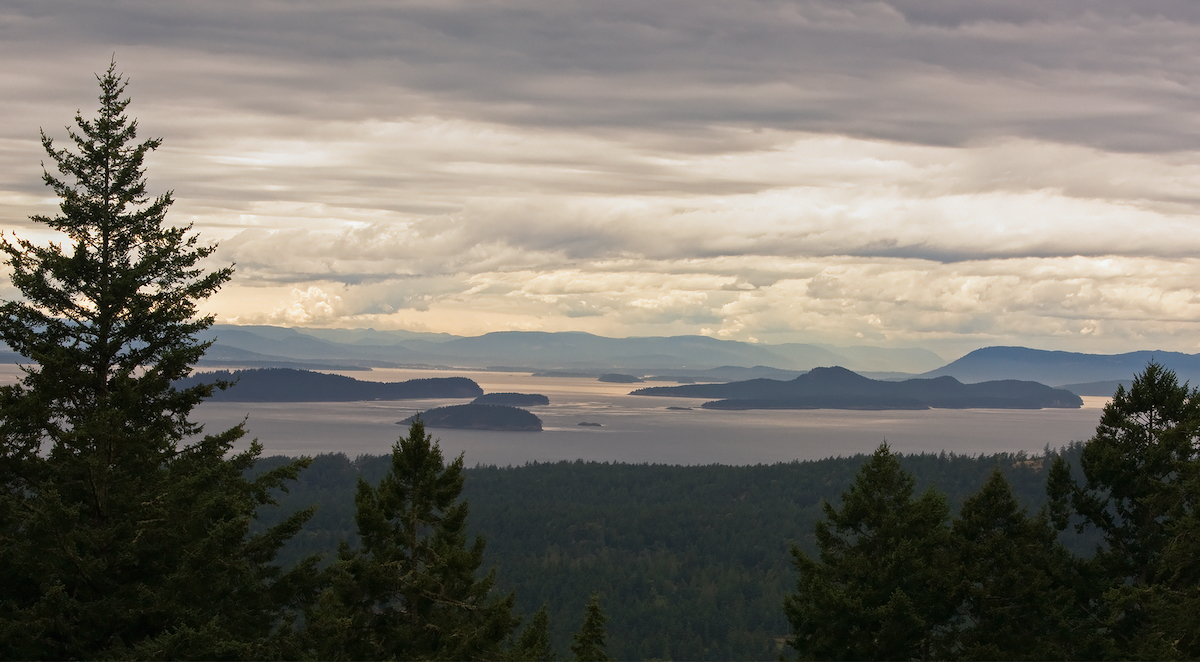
{"points": [[641, 430]]}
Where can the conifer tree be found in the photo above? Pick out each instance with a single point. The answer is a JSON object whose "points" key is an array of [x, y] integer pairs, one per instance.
{"points": [[1140, 492], [880, 589], [123, 533], [1016, 583], [533, 645], [410, 591], [591, 640]]}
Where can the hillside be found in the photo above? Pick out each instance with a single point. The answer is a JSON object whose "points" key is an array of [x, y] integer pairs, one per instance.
{"points": [[839, 388], [288, 385], [691, 562], [1059, 368]]}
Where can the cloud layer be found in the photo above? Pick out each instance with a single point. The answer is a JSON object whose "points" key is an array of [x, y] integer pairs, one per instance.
{"points": [[908, 172]]}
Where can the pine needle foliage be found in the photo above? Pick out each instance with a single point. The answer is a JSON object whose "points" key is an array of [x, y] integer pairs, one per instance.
{"points": [[124, 532], [411, 591], [590, 642], [1141, 489], [879, 589]]}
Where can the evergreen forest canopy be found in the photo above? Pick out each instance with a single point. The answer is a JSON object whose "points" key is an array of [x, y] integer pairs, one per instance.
{"points": [[125, 533]]}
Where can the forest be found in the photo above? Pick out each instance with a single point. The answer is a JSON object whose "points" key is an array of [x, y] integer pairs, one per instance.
{"points": [[125, 533], [689, 562]]}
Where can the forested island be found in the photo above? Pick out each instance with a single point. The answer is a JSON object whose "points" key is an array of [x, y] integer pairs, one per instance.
{"points": [[289, 385], [839, 388], [512, 399], [479, 417], [618, 378]]}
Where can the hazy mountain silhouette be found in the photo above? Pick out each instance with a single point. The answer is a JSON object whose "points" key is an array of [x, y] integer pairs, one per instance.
{"points": [[1057, 368], [572, 351]]}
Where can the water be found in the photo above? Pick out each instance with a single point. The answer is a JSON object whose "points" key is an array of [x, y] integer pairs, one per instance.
{"points": [[641, 429]]}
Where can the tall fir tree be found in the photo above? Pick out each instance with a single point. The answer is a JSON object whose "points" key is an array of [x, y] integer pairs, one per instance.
{"points": [[411, 591], [588, 645], [533, 644], [1140, 490], [1017, 584], [880, 589], [123, 533]]}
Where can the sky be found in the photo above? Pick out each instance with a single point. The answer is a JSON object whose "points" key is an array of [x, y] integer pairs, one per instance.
{"points": [[911, 173]]}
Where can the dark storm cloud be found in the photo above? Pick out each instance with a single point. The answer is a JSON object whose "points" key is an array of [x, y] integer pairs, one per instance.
{"points": [[1107, 74]]}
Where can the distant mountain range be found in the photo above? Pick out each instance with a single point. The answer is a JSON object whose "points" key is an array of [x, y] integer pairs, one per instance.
{"points": [[838, 388], [681, 359], [568, 351]]}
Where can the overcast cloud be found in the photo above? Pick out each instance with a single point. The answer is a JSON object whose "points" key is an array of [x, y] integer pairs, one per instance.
{"points": [[919, 172]]}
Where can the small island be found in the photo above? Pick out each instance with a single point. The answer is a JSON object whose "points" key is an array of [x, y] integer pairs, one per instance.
{"points": [[679, 408], [589, 425], [478, 417], [615, 378], [512, 399]]}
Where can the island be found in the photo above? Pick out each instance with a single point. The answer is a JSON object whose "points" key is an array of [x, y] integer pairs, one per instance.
{"points": [[588, 425], [479, 417], [615, 378], [512, 399], [839, 388], [291, 385]]}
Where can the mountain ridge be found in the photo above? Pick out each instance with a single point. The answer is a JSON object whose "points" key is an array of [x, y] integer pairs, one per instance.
{"points": [[1057, 368]]}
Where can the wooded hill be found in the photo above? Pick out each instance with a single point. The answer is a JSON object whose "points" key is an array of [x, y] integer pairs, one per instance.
{"points": [[289, 385], [839, 388], [690, 562], [479, 417]]}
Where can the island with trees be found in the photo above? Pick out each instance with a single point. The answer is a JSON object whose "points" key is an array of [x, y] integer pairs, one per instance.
{"points": [[512, 399], [618, 378], [291, 385], [478, 417], [839, 388]]}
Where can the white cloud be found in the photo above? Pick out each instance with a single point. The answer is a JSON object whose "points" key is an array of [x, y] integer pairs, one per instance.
{"points": [[911, 171], [310, 307]]}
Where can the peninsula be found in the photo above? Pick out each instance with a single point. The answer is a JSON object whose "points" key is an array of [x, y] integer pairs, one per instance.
{"points": [[290, 385]]}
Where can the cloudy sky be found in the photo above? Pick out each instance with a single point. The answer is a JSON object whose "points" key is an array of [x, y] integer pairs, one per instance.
{"points": [[927, 173]]}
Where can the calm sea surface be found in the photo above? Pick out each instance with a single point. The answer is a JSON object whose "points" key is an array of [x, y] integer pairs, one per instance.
{"points": [[641, 429]]}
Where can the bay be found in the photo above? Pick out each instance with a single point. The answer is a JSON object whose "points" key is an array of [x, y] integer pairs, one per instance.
{"points": [[641, 429]]}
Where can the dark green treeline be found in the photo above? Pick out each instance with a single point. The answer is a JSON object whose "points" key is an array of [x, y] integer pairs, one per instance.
{"points": [[689, 562]]}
